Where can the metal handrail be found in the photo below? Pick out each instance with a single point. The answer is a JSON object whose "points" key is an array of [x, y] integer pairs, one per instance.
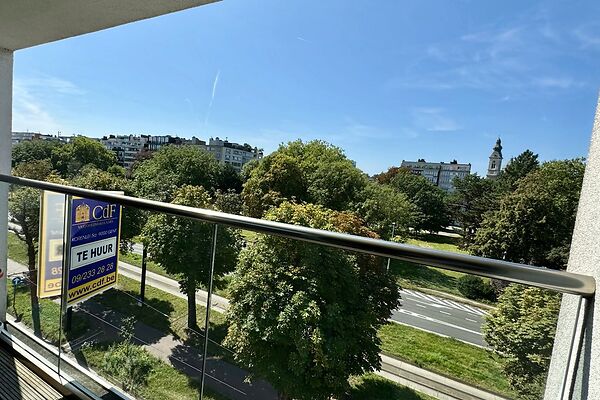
{"points": [[560, 281]]}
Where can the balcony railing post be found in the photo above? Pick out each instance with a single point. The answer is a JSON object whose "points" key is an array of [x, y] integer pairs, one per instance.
{"points": [[65, 274], [208, 306], [6, 77]]}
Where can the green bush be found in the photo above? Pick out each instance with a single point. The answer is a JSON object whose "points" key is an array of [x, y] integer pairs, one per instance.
{"points": [[129, 363], [473, 287]]}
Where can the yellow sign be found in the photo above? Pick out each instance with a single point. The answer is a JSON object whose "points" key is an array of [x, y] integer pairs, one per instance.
{"points": [[50, 256]]}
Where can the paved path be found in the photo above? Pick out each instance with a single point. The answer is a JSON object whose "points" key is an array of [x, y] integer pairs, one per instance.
{"points": [[440, 316], [228, 379]]}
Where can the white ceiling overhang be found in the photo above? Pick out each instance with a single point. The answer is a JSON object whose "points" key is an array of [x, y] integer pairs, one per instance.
{"points": [[26, 23]]}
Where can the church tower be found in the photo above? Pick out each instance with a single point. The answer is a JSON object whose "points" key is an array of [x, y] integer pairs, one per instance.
{"points": [[495, 161]]}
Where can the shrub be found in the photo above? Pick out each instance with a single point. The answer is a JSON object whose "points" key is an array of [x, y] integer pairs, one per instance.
{"points": [[129, 363], [473, 287]]}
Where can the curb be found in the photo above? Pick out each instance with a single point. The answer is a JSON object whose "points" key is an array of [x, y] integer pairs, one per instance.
{"points": [[438, 386]]}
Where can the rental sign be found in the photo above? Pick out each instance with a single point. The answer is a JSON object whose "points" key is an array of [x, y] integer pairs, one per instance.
{"points": [[93, 248]]}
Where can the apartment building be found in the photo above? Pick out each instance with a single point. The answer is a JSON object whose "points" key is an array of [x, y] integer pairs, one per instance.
{"points": [[233, 154], [440, 174]]}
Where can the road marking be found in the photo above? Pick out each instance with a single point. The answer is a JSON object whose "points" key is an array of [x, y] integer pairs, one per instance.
{"points": [[414, 314], [472, 320], [437, 302], [420, 305], [444, 312]]}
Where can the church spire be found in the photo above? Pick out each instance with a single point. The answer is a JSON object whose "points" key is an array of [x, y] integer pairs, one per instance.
{"points": [[495, 164]]}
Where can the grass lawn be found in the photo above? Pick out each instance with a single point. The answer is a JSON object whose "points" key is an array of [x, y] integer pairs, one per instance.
{"points": [[169, 314], [164, 382], [166, 313], [414, 276], [375, 387], [450, 357], [17, 249], [20, 307]]}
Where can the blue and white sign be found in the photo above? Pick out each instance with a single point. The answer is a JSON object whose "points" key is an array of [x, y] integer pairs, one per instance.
{"points": [[94, 248]]}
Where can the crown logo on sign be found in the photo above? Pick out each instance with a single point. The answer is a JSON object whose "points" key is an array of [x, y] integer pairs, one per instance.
{"points": [[82, 213]]}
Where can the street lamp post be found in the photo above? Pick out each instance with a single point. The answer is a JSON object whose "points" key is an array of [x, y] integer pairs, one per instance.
{"points": [[389, 259]]}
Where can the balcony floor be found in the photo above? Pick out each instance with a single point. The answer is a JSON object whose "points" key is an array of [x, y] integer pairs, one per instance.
{"points": [[18, 382]]}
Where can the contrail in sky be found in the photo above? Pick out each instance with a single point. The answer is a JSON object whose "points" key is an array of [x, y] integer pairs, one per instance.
{"points": [[212, 96]]}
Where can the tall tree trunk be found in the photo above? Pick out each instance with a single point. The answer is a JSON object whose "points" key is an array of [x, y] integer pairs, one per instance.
{"points": [[35, 304], [191, 299]]}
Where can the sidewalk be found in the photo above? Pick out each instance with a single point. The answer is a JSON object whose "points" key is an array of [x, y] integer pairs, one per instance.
{"points": [[395, 370], [229, 379]]}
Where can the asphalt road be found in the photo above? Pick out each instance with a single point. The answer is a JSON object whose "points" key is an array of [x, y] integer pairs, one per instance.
{"points": [[441, 316], [430, 313]]}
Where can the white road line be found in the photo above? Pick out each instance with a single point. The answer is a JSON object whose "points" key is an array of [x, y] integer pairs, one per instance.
{"points": [[471, 320], [444, 312], [420, 305], [436, 302], [414, 314]]}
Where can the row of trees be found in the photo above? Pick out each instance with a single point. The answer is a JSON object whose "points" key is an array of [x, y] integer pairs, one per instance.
{"points": [[320, 334], [288, 323]]}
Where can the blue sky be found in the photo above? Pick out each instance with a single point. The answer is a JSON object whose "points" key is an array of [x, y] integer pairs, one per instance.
{"points": [[385, 80]]}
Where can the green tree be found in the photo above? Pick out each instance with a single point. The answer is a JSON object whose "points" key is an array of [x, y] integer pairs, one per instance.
{"points": [[521, 329], [183, 246], [430, 200], [70, 158], [291, 325], [33, 150], [228, 201], [24, 207], [229, 179], [516, 169], [383, 206], [172, 167], [386, 177], [314, 172], [534, 224], [472, 198]]}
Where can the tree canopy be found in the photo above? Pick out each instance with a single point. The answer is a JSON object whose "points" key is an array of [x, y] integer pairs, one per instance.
{"points": [[472, 198], [534, 224], [522, 330], [70, 158], [173, 167], [183, 246], [517, 168], [430, 199], [290, 325], [314, 172], [33, 150], [382, 206]]}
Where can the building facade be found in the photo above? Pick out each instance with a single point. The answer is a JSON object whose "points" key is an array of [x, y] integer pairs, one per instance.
{"points": [[440, 174], [126, 147], [18, 137], [495, 163], [233, 154]]}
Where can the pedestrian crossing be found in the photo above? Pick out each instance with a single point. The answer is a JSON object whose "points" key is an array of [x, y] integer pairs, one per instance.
{"points": [[444, 302]]}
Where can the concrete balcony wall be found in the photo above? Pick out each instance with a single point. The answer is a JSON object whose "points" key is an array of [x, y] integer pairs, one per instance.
{"points": [[584, 259]]}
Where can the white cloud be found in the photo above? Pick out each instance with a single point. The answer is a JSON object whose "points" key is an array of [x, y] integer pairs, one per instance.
{"points": [[212, 97], [556, 83], [434, 119], [588, 36], [31, 102]]}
